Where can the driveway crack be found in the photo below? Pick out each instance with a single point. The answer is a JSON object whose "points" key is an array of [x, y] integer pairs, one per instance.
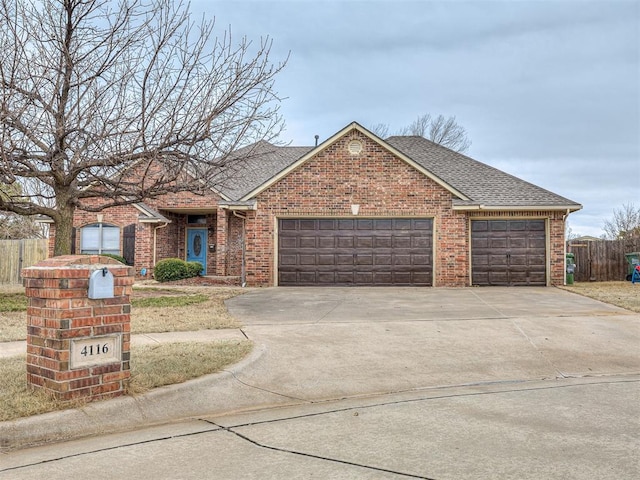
{"points": [[317, 457]]}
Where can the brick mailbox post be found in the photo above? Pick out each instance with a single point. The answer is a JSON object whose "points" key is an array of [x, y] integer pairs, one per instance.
{"points": [[78, 326]]}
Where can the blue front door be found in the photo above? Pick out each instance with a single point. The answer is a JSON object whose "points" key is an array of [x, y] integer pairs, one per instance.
{"points": [[197, 247]]}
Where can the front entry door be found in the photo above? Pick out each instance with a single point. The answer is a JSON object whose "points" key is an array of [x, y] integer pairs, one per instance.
{"points": [[197, 247]]}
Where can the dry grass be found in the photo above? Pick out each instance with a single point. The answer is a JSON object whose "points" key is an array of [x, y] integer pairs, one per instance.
{"points": [[154, 366], [620, 294], [159, 309], [182, 308], [208, 315], [151, 367], [16, 398]]}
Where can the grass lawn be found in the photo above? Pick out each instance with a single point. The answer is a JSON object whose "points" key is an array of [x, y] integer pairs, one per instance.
{"points": [[620, 294], [154, 309]]}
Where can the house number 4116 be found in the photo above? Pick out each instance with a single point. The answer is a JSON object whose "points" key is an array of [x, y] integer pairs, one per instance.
{"points": [[97, 349]]}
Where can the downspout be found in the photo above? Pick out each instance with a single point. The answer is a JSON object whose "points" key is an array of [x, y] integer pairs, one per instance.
{"points": [[155, 238], [564, 261], [243, 274]]}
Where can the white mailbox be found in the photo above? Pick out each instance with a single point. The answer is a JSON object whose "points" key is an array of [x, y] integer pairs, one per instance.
{"points": [[101, 284]]}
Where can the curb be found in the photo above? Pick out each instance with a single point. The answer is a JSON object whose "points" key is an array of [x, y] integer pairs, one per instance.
{"points": [[123, 413]]}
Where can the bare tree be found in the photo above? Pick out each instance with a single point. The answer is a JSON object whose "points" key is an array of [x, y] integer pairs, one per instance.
{"points": [[106, 103], [625, 222], [12, 225], [443, 131]]}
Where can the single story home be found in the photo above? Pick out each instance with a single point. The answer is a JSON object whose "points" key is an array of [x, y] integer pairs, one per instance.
{"points": [[353, 210]]}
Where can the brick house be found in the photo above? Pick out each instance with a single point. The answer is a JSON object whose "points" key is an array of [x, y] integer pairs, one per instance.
{"points": [[354, 210]]}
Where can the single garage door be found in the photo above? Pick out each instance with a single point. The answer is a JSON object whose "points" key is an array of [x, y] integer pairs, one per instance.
{"points": [[508, 252], [355, 251]]}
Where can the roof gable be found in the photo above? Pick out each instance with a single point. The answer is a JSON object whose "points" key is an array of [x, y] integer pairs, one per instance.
{"points": [[330, 141]]}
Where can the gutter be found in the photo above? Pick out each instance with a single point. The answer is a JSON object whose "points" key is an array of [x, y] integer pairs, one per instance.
{"points": [[510, 208]]}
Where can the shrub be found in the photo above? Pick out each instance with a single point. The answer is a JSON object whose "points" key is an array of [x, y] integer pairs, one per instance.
{"points": [[195, 269], [171, 269], [116, 257]]}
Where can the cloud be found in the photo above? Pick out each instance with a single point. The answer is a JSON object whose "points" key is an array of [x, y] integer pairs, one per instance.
{"points": [[549, 91]]}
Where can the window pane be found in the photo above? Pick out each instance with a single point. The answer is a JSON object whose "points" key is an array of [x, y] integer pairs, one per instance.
{"points": [[110, 239], [90, 239]]}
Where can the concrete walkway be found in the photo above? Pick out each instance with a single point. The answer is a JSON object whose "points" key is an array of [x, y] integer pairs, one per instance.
{"points": [[377, 383]]}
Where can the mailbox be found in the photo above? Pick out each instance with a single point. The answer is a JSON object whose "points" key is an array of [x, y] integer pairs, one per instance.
{"points": [[101, 284]]}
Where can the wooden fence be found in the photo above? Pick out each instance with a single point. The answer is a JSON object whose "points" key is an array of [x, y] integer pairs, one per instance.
{"points": [[18, 254], [602, 260]]}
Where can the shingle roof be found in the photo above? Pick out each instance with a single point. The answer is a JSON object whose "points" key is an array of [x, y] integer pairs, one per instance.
{"points": [[484, 185], [261, 162]]}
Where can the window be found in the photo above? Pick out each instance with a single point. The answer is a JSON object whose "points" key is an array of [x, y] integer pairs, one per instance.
{"points": [[100, 238], [196, 219]]}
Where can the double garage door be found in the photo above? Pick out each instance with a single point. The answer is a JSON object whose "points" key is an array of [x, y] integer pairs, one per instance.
{"points": [[399, 251], [355, 251], [508, 252]]}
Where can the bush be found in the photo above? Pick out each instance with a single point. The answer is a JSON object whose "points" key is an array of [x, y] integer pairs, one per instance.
{"points": [[116, 257], [171, 269], [195, 269]]}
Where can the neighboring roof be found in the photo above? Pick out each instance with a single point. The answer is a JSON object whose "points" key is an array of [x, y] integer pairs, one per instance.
{"points": [[485, 186], [473, 184]]}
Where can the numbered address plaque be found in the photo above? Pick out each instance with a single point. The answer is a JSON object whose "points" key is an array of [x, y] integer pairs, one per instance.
{"points": [[86, 352]]}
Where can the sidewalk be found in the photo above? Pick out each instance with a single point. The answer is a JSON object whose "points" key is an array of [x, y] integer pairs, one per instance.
{"points": [[12, 349]]}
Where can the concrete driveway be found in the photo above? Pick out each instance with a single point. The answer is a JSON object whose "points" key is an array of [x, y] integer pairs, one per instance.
{"points": [[384, 383]]}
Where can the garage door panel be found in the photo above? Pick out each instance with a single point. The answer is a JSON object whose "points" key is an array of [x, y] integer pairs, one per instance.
{"points": [[423, 224], [383, 224], [383, 251], [508, 252], [308, 225], [498, 243], [363, 278], [400, 259], [518, 243], [364, 242], [382, 242], [344, 259], [363, 259], [307, 242], [382, 259], [328, 278], [308, 259], [420, 242], [421, 260], [537, 243], [403, 224], [401, 242], [289, 259], [288, 242], [326, 242], [325, 224], [344, 242]]}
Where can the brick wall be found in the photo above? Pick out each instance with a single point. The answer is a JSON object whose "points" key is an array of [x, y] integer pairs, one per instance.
{"points": [[60, 312]]}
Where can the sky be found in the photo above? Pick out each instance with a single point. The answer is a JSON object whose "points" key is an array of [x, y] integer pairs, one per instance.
{"points": [[548, 90]]}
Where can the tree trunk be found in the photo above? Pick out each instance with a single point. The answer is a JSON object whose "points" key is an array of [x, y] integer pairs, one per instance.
{"points": [[64, 230]]}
